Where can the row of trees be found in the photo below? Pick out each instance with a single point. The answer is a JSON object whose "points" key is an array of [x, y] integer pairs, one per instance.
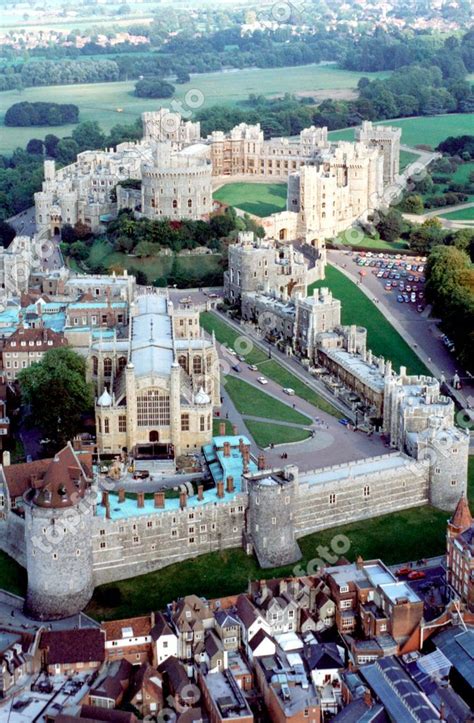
{"points": [[41, 114], [50, 72], [450, 288]]}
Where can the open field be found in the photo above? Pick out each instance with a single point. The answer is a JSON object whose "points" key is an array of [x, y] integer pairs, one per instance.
{"points": [[261, 199], [371, 243], [382, 338], [265, 434], [195, 266], [249, 400], [100, 101], [269, 367], [427, 130]]}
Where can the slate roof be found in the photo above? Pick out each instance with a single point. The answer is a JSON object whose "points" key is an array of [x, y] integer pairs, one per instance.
{"points": [[86, 645], [161, 627]]}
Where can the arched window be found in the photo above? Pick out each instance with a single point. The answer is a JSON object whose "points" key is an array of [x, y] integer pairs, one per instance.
{"points": [[183, 362], [99, 424], [122, 362], [175, 204], [95, 365], [197, 365], [190, 202], [208, 422], [106, 425], [107, 367], [202, 423]]}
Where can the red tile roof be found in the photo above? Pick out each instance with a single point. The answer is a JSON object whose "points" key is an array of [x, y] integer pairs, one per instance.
{"points": [[140, 626]]}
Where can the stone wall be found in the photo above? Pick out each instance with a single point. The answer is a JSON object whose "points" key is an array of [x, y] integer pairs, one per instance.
{"points": [[148, 542], [12, 537]]}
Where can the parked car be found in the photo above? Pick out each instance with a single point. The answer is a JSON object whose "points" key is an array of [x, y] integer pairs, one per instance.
{"points": [[236, 368], [253, 367], [400, 299], [417, 575], [403, 571], [141, 474], [262, 380], [344, 422], [289, 391]]}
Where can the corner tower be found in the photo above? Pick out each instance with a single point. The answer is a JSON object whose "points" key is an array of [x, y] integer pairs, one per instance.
{"points": [[58, 531]]}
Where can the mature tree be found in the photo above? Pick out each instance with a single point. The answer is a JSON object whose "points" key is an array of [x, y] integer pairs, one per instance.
{"points": [[88, 136], [68, 235], [78, 250], [7, 234], [413, 203], [57, 393], [66, 151], [390, 225], [154, 88], [35, 146], [425, 236], [51, 143]]}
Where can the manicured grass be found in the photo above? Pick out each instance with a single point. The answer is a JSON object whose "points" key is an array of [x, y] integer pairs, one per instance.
{"points": [[112, 103], [270, 368], [260, 199], [349, 239], [101, 252], [12, 575], [464, 214], [422, 130], [273, 370], [265, 434], [382, 338], [255, 403], [226, 335], [406, 158]]}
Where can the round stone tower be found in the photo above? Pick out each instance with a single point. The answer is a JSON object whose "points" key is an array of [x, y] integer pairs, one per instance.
{"points": [[270, 517], [58, 530]]}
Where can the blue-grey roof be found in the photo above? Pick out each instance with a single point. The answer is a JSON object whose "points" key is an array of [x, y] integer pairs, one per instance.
{"points": [[458, 647], [399, 695], [152, 338]]}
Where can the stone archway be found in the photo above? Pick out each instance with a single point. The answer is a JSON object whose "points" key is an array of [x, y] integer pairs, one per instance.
{"points": [[154, 436]]}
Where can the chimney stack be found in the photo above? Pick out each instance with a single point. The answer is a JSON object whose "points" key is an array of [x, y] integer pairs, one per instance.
{"points": [[220, 489], [241, 445], [234, 430], [105, 498], [107, 510], [183, 500], [261, 461], [159, 500], [222, 429], [121, 494], [200, 492], [368, 698], [230, 484], [140, 499], [226, 449]]}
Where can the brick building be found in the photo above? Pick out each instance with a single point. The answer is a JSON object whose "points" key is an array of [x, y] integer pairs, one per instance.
{"points": [[28, 346], [460, 553]]}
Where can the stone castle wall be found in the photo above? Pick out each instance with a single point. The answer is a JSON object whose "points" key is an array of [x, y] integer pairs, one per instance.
{"points": [[148, 542]]}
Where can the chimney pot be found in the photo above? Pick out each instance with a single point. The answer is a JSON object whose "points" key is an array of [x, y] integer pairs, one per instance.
{"points": [[121, 494], [222, 428], [220, 489], [234, 430], [226, 449], [183, 500], [230, 484], [140, 499], [200, 492]]}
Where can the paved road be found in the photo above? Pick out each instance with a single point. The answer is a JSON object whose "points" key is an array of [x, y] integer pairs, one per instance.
{"points": [[332, 443], [419, 330], [24, 222], [48, 252]]}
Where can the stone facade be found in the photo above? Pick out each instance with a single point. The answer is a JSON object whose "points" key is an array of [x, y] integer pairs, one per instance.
{"points": [[157, 388], [330, 185]]}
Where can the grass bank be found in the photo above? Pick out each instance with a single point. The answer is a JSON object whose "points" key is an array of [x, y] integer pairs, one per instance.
{"points": [[252, 402]]}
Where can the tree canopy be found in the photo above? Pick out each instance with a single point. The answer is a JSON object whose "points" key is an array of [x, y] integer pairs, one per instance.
{"points": [[57, 392]]}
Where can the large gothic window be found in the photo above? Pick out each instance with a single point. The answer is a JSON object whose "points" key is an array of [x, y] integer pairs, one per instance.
{"points": [[95, 365], [153, 408], [197, 365], [107, 367], [122, 362]]}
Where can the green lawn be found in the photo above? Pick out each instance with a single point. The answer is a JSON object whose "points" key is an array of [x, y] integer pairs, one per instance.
{"points": [[464, 214], [112, 103], [406, 158], [382, 338], [12, 575], [154, 267], [265, 434], [369, 242], [270, 368], [422, 130], [255, 403], [226, 335], [261, 199]]}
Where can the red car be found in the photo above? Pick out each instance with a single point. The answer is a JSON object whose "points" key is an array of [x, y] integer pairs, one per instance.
{"points": [[403, 571], [417, 575]]}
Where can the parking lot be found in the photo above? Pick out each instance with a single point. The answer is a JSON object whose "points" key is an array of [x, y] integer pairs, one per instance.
{"points": [[401, 276]]}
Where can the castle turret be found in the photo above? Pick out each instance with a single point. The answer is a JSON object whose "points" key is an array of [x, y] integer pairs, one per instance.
{"points": [[58, 531], [270, 523]]}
